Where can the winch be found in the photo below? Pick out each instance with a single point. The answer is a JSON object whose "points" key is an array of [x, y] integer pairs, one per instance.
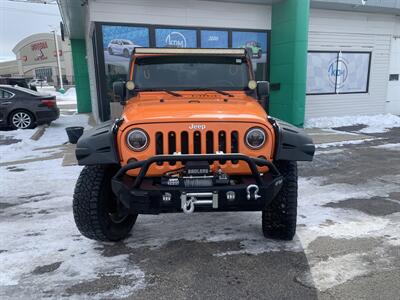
{"points": [[195, 174]]}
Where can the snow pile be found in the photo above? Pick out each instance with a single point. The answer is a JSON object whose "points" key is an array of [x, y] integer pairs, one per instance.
{"points": [[69, 97], [53, 136], [374, 124], [343, 143]]}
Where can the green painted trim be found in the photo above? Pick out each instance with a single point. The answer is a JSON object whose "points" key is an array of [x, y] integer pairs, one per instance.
{"points": [[289, 43], [81, 74]]}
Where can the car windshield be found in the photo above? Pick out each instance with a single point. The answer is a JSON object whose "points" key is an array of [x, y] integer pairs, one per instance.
{"points": [[191, 73]]}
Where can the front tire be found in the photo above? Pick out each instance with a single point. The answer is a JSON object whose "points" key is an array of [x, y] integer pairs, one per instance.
{"points": [[96, 211], [279, 217]]}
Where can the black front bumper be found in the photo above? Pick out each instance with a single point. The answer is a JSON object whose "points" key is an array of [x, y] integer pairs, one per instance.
{"points": [[141, 195]]}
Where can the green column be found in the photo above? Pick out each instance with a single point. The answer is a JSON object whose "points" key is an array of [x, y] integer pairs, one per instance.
{"points": [[81, 74], [289, 43]]}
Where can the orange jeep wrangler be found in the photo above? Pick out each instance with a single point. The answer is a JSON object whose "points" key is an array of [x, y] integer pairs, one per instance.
{"points": [[194, 136]]}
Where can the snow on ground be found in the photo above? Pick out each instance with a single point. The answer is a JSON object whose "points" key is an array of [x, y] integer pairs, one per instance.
{"points": [[374, 124], [393, 147], [343, 143], [69, 97], [54, 135], [40, 231]]}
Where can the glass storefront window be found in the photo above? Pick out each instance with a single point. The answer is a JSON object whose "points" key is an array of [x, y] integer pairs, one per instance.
{"points": [[113, 45], [256, 45], [118, 44], [337, 72], [214, 39], [177, 38]]}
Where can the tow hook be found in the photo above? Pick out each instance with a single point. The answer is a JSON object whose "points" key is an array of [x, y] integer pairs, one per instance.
{"points": [[252, 192], [189, 200], [188, 207]]}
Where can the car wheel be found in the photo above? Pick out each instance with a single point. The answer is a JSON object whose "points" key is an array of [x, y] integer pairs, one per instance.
{"points": [[21, 119], [96, 210], [110, 51], [279, 217], [126, 52]]}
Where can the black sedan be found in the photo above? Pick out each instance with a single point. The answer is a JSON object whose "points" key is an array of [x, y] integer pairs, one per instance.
{"points": [[22, 108]]}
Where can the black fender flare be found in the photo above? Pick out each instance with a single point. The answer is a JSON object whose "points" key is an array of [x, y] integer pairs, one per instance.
{"points": [[97, 146], [292, 143]]}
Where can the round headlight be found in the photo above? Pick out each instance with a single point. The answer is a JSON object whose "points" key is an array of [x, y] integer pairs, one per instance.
{"points": [[137, 139], [255, 138]]}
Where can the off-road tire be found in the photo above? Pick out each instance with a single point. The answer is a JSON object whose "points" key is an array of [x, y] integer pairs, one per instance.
{"points": [[92, 198], [279, 217]]}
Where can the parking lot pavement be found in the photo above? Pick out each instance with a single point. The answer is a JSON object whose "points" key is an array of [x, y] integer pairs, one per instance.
{"points": [[347, 244]]}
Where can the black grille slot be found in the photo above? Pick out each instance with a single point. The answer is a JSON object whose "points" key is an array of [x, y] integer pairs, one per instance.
{"points": [[234, 144], [171, 145], [197, 142], [222, 141], [210, 142], [159, 145], [171, 142], [222, 144], [184, 142]]}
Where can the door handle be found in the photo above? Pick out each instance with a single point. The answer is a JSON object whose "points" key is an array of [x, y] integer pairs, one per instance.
{"points": [[6, 103]]}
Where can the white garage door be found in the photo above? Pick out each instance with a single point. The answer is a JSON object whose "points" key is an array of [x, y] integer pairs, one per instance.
{"points": [[393, 92]]}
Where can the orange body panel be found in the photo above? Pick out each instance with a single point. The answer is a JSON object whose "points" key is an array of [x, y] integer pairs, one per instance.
{"points": [[161, 112]]}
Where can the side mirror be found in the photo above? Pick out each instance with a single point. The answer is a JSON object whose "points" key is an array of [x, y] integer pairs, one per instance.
{"points": [[119, 90], [262, 90]]}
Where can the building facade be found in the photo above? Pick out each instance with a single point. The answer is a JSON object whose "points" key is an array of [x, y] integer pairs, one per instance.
{"points": [[36, 58], [323, 58]]}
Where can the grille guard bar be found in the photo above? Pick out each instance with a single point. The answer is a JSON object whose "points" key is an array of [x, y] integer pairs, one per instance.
{"points": [[144, 165]]}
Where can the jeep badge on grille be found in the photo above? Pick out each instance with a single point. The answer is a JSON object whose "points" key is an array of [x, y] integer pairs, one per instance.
{"points": [[197, 126]]}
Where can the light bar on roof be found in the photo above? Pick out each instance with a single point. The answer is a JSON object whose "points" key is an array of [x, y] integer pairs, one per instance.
{"points": [[140, 50]]}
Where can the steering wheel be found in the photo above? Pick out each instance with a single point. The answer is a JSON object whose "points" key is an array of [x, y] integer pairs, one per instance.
{"points": [[224, 82]]}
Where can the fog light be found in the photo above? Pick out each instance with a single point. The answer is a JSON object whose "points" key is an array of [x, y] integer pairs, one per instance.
{"points": [[132, 160], [230, 195], [166, 197]]}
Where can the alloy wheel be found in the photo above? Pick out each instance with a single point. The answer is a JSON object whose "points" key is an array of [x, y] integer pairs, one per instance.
{"points": [[21, 120]]}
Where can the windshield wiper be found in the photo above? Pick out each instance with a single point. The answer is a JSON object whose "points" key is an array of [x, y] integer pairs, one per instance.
{"points": [[211, 90], [161, 90]]}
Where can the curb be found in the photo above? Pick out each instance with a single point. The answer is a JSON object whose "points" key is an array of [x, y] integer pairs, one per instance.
{"points": [[39, 132]]}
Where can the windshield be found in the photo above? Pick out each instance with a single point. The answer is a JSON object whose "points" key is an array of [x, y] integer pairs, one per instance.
{"points": [[191, 73]]}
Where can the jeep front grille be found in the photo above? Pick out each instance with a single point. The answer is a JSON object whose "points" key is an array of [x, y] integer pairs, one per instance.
{"points": [[197, 142]]}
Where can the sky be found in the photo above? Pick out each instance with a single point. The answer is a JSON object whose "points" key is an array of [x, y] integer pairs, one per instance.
{"points": [[19, 20]]}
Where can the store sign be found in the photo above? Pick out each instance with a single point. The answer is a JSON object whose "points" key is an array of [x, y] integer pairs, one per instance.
{"points": [[214, 39], [176, 38], [337, 72], [38, 52]]}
